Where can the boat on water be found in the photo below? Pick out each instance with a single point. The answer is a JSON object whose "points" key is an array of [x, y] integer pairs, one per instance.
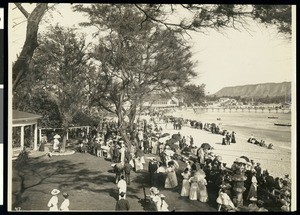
{"points": [[283, 124], [273, 117]]}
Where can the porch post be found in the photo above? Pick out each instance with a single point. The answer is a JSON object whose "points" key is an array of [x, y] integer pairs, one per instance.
{"points": [[40, 134], [35, 148], [22, 137]]}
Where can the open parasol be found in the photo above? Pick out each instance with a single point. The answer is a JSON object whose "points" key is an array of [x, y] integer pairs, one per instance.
{"points": [[164, 135], [242, 160], [246, 158], [56, 136], [163, 139], [205, 146], [176, 137], [154, 135]]}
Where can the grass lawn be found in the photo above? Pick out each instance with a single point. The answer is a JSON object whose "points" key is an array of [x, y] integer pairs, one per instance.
{"points": [[89, 180]]}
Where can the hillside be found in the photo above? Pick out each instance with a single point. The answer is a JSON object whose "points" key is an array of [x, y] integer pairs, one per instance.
{"points": [[256, 90]]}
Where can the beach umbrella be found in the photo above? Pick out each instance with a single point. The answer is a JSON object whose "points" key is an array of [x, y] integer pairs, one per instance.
{"points": [[242, 160], [246, 158], [171, 141], [154, 135], [164, 135], [163, 139], [176, 137], [56, 136], [205, 146]]}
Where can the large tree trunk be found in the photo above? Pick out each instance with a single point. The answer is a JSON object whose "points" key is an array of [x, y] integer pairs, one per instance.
{"points": [[64, 141], [132, 116], [21, 66], [65, 135]]}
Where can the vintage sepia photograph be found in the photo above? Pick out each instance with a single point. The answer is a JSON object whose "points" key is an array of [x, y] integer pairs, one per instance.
{"points": [[151, 107]]}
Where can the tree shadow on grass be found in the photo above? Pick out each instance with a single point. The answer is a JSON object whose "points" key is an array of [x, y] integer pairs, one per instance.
{"points": [[42, 172]]}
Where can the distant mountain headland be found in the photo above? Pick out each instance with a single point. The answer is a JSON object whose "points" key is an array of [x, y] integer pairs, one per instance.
{"points": [[256, 90]]}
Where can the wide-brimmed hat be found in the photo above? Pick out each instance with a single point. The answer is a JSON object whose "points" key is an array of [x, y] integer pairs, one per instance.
{"points": [[154, 190], [253, 180], [65, 194], [253, 199], [55, 192], [162, 196]]}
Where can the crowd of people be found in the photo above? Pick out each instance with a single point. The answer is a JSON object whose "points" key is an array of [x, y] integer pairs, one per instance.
{"points": [[261, 143], [204, 176]]}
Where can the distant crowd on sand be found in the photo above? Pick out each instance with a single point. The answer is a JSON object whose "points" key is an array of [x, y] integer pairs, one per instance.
{"points": [[174, 161]]}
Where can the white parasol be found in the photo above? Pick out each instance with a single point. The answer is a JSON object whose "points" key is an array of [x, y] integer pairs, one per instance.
{"points": [[56, 136]]}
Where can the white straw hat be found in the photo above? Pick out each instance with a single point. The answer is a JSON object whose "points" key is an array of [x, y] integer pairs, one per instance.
{"points": [[55, 192]]}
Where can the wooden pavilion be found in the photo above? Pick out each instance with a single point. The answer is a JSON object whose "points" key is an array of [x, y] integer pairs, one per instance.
{"points": [[22, 119]]}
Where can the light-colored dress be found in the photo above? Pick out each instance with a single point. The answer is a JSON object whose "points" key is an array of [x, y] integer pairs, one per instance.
{"points": [[65, 205], [56, 144], [52, 204], [203, 196], [224, 199], [194, 190], [160, 204], [185, 190], [122, 151], [171, 179], [154, 147], [139, 163]]}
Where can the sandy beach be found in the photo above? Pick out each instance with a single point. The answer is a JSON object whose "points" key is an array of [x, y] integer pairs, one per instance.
{"points": [[277, 160]]}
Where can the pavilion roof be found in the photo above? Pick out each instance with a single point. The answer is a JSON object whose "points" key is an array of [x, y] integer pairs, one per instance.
{"points": [[20, 116]]}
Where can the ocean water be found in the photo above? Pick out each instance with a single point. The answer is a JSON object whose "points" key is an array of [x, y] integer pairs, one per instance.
{"points": [[246, 124]]}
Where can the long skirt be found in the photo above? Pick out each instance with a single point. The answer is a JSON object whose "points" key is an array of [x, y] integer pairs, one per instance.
{"points": [[252, 192], [203, 196], [185, 190], [154, 149], [194, 191], [171, 180], [138, 164]]}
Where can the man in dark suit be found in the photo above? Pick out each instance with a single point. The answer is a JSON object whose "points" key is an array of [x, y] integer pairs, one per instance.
{"points": [[152, 167], [122, 204], [127, 170]]}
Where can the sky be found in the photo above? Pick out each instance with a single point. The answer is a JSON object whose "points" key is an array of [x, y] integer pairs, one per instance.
{"points": [[230, 58]]}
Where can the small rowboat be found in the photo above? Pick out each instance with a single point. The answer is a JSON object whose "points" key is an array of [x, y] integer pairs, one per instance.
{"points": [[273, 117], [282, 124]]}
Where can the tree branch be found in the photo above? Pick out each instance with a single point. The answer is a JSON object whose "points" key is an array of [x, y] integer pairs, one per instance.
{"points": [[22, 9]]}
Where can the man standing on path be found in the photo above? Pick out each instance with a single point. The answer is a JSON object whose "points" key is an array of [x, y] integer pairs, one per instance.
{"points": [[127, 170], [118, 168], [122, 187], [122, 204], [152, 167]]}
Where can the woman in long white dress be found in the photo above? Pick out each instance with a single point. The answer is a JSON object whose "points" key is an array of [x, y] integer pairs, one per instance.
{"points": [[171, 179], [52, 204], [203, 195], [194, 188], [202, 191], [185, 190], [66, 203]]}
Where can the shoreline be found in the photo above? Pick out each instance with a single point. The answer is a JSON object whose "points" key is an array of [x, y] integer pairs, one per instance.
{"points": [[278, 161]]}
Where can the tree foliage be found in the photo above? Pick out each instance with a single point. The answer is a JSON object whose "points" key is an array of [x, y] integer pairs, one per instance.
{"points": [[136, 60], [61, 70], [192, 94]]}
